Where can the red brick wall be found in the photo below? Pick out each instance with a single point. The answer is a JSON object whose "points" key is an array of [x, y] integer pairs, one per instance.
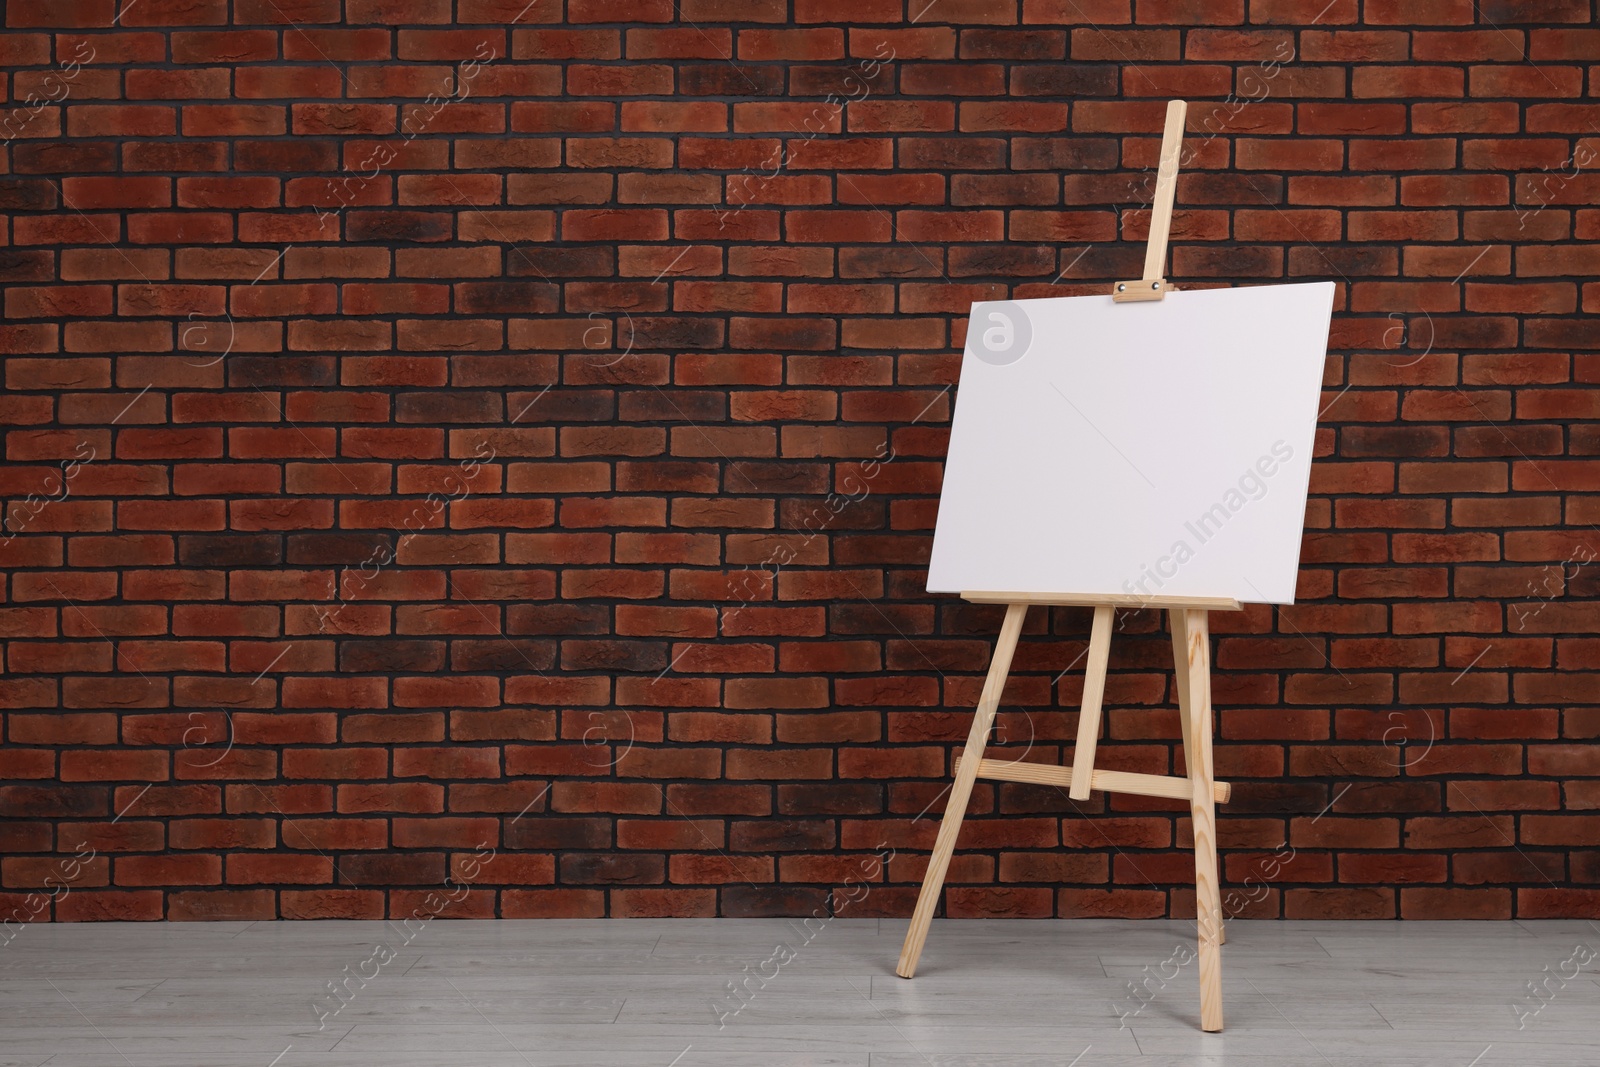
{"points": [[498, 444]]}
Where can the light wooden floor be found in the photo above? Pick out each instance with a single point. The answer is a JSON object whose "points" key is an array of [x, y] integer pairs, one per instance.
{"points": [[645, 993]]}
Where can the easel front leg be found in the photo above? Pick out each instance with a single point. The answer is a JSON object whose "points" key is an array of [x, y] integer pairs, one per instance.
{"points": [[961, 790], [1202, 808]]}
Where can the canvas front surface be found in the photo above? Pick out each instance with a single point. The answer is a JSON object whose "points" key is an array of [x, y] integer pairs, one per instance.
{"points": [[1156, 449]]}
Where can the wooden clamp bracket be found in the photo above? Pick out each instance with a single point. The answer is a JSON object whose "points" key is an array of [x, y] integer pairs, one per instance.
{"points": [[1153, 286]]}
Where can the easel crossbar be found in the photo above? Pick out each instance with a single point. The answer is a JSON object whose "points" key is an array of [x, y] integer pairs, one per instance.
{"points": [[1145, 785]]}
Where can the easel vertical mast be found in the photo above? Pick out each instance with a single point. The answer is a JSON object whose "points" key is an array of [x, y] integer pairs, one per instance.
{"points": [[1153, 286], [1191, 646]]}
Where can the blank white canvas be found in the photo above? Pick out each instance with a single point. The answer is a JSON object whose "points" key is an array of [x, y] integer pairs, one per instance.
{"points": [[1160, 448]]}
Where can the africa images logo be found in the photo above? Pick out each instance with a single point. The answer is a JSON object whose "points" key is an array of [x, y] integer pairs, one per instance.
{"points": [[1003, 332]]}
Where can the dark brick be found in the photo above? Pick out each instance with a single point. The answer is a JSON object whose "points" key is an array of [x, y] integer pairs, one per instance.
{"points": [[730, 79], [502, 654], [391, 654], [559, 832], [558, 619], [587, 868], [230, 550]]}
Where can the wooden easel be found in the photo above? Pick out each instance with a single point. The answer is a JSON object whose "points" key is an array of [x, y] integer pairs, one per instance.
{"points": [[1191, 647]]}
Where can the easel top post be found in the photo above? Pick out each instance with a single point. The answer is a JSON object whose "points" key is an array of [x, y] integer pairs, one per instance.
{"points": [[1153, 286]]}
